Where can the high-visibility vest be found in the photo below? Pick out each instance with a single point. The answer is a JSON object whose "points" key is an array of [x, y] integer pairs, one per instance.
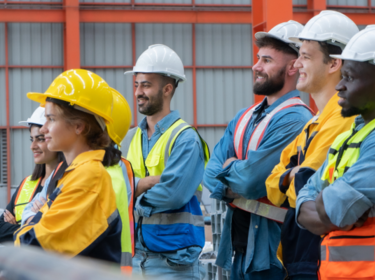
{"points": [[348, 254], [262, 207], [24, 196], [121, 178], [175, 229]]}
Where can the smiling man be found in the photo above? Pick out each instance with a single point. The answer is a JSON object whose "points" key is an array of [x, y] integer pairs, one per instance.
{"points": [[325, 34], [246, 154], [338, 200], [168, 158]]}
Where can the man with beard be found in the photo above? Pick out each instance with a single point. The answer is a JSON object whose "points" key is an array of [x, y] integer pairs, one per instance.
{"points": [[168, 158], [248, 151], [338, 200], [324, 34]]}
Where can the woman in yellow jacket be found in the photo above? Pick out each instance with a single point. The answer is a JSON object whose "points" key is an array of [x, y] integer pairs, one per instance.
{"points": [[80, 216]]}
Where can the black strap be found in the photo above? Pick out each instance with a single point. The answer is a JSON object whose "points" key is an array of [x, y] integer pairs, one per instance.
{"points": [[56, 177], [343, 148]]}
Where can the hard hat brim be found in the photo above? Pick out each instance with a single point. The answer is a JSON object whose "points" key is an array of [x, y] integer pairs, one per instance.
{"points": [[41, 98], [260, 35], [340, 56], [180, 79]]}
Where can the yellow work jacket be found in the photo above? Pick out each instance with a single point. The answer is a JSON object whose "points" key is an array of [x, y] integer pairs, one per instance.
{"points": [[80, 216], [309, 151]]}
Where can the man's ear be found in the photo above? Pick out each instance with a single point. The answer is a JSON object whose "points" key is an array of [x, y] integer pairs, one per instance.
{"points": [[334, 65], [291, 70], [168, 90]]}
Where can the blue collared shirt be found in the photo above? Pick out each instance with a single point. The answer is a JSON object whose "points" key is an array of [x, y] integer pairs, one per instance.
{"points": [[178, 182], [351, 195], [247, 178]]}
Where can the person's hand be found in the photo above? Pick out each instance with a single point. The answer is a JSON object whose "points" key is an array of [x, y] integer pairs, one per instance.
{"points": [[292, 173], [38, 204], [146, 183], [29, 220], [231, 194], [9, 218], [358, 223], [228, 161]]}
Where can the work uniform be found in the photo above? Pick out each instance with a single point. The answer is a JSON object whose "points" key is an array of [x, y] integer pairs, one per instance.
{"points": [[300, 248], [82, 208], [169, 221], [253, 238], [346, 179], [23, 195], [123, 184]]}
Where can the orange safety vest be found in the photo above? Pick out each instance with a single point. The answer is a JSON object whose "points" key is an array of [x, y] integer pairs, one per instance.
{"points": [[262, 206]]}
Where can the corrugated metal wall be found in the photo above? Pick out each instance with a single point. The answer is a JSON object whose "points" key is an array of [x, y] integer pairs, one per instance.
{"points": [[30, 44], [299, 2], [347, 2]]}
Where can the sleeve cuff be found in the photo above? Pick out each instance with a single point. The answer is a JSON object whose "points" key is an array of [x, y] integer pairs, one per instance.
{"points": [[301, 199], [144, 211], [136, 181], [224, 173], [219, 193], [283, 188], [343, 204]]}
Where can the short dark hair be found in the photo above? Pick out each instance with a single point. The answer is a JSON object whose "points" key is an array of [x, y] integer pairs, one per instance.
{"points": [[168, 80], [276, 45], [328, 49]]}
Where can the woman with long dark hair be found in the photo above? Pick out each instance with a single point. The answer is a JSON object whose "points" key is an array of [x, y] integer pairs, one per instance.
{"points": [[45, 162]]}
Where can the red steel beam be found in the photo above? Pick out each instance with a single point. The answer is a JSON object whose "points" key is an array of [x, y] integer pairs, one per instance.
{"points": [[164, 16], [72, 40], [10, 15]]}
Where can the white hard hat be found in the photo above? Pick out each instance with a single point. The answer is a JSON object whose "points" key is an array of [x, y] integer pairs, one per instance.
{"points": [[361, 47], [160, 59], [329, 26], [282, 32], [37, 118]]}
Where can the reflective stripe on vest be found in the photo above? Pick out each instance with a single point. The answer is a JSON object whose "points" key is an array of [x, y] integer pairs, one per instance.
{"points": [[119, 179], [262, 207], [25, 195], [131, 193], [175, 229], [348, 254]]}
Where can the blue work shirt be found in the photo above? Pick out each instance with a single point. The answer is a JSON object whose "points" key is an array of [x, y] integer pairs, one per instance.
{"points": [[178, 182], [247, 178], [349, 196]]}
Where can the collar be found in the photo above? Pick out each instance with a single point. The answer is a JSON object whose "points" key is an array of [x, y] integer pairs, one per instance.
{"points": [[163, 124], [291, 94], [85, 157], [359, 122], [329, 108]]}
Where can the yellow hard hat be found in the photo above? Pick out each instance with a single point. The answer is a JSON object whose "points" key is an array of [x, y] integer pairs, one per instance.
{"points": [[80, 87], [122, 118]]}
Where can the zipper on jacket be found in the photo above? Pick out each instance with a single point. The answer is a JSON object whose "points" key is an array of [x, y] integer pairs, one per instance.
{"points": [[351, 237]]}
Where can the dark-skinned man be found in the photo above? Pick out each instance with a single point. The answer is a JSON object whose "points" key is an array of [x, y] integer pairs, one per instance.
{"points": [[246, 154], [338, 200], [324, 34], [168, 158]]}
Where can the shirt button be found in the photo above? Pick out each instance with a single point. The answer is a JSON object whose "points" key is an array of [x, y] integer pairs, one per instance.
{"points": [[256, 226]]}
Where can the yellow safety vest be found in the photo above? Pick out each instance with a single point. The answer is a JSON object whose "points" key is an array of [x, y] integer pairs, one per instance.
{"points": [[344, 151], [178, 221], [25, 195], [119, 186]]}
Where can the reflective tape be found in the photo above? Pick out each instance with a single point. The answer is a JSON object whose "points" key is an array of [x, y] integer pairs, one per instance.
{"points": [[173, 134], [128, 139], [351, 253], [113, 217], [261, 209], [240, 130], [323, 252], [174, 218], [126, 259]]}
